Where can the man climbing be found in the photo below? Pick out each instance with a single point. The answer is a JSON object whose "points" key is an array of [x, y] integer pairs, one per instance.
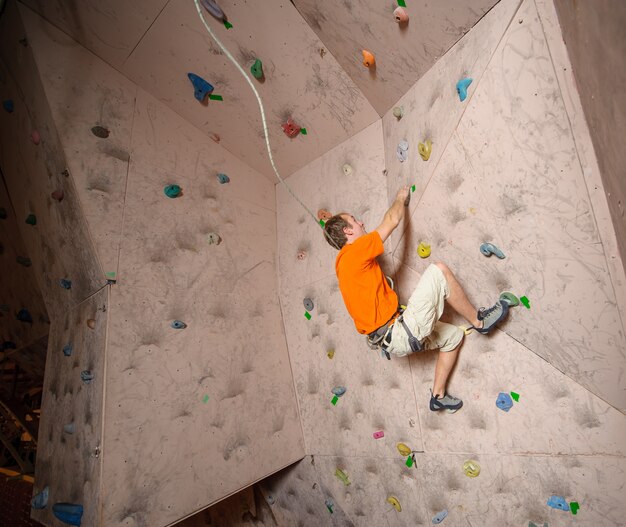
{"points": [[374, 307]]}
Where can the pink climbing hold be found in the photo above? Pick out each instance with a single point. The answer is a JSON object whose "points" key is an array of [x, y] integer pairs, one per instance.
{"points": [[58, 195], [379, 434], [35, 137], [301, 255]]}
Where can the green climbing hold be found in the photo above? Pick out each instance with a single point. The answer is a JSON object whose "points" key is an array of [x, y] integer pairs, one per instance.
{"points": [[303, 131], [205, 399], [216, 97], [257, 69], [322, 223], [573, 506], [227, 24], [307, 315], [515, 396], [401, 3], [509, 298], [31, 219], [409, 461], [525, 301], [412, 188], [334, 400], [172, 191]]}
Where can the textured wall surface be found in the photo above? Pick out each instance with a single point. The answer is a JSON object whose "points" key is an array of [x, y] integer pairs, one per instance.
{"points": [[596, 45], [404, 52], [506, 168], [181, 404], [18, 287], [70, 464]]}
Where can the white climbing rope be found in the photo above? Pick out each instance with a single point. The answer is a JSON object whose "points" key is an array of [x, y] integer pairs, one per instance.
{"points": [[258, 98]]}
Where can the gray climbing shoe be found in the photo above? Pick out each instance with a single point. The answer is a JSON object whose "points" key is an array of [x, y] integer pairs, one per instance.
{"points": [[492, 316], [447, 402]]}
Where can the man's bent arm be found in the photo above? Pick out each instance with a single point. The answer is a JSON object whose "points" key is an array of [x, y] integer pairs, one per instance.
{"points": [[394, 215]]}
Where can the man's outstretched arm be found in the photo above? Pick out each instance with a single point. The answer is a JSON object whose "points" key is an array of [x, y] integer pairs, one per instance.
{"points": [[394, 215]]}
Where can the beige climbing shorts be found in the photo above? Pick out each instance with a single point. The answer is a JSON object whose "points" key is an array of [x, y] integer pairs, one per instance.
{"points": [[422, 317]]}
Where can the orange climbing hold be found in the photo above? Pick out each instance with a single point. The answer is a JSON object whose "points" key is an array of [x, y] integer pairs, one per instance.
{"points": [[323, 214], [368, 59], [401, 16]]}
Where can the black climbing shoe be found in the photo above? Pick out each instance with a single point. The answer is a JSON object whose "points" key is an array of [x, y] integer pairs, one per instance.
{"points": [[447, 402], [492, 316]]}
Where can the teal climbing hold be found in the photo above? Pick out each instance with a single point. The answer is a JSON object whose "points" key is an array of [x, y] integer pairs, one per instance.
{"points": [[40, 500], [201, 87], [223, 178], [172, 191], [68, 513], [257, 69], [489, 248], [461, 88], [31, 219]]}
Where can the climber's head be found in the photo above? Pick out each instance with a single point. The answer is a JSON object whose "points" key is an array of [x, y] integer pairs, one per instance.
{"points": [[342, 229]]}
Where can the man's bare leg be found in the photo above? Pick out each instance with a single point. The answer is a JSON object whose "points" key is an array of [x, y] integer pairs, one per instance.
{"points": [[445, 363], [458, 299]]}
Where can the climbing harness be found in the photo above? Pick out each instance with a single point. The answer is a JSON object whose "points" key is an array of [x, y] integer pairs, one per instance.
{"points": [[381, 338]]}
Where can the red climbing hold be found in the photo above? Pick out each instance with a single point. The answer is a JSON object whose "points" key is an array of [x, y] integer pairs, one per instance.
{"points": [[290, 128], [35, 137], [58, 195]]}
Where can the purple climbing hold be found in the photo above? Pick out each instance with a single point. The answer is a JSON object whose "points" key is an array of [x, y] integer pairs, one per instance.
{"points": [[201, 87], [440, 516], [212, 7]]}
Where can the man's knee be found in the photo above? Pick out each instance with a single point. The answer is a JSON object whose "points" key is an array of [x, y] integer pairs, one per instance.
{"points": [[444, 268]]}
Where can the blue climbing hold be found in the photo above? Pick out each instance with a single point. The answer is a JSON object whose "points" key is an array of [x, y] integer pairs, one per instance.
{"points": [[440, 516], [67, 349], [40, 500], [201, 87], [68, 513], [489, 248], [65, 284], [558, 502], [223, 178], [86, 376], [339, 390], [504, 401], [172, 191], [69, 428], [8, 105], [23, 260], [461, 88], [23, 315], [178, 324]]}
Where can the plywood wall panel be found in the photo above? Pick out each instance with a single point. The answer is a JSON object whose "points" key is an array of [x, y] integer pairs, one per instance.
{"points": [[404, 53], [70, 463], [299, 82], [59, 245]]}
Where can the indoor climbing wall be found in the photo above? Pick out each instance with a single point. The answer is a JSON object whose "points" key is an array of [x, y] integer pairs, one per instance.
{"points": [[505, 166], [195, 348], [19, 294]]}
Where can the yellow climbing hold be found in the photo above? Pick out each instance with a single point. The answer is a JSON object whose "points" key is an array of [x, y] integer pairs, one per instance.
{"points": [[394, 501], [423, 250], [471, 468], [342, 476], [425, 149], [403, 449], [330, 354], [466, 330]]}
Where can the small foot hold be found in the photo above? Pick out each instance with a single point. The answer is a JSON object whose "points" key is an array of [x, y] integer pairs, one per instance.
{"points": [[509, 298]]}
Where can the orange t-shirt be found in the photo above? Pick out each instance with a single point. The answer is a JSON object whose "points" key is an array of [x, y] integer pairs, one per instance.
{"points": [[366, 293]]}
